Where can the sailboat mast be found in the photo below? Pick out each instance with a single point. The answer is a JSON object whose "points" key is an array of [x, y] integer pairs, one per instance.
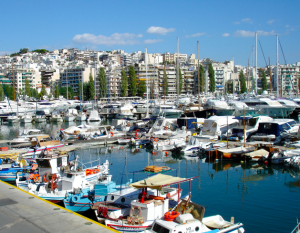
{"points": [[277, 94], [255, 62], [67, 86], [248, 77], [177, 73], [13, 74], [270, 76], [146, 61], [198, 76]]}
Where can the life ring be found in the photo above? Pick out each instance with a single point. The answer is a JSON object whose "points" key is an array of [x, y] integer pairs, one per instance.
{"points": [[155, 139], [74, 198], [102, 211], [166, 128], [128, 123], [165, 168], [111, 134], [170, 216]]}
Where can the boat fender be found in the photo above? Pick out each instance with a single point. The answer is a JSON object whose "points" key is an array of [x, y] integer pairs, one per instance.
{"points": [[74, 199]]}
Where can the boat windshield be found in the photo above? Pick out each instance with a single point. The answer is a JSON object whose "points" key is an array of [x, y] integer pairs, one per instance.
{"points": [[252, 121], [159, 229]]}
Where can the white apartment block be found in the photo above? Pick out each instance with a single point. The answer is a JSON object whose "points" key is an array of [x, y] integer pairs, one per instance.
{"points": [[73, 75], [18, 74], [172, 57]]}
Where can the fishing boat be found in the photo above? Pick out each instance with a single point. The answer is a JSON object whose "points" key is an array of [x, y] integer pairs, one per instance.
{"points": [[59, 174], [142, 212]]}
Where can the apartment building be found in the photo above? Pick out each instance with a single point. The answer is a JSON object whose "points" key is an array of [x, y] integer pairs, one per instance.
{"points": [[18, 75], [113, 78], [288, 76], [74, 74], [172, 57]]}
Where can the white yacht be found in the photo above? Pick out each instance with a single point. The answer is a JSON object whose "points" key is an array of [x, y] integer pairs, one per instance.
{"points": [[220, 106], [272, 108], [242, 108], [70, 115], [168, 111], [13, 118], [26, 118], [56, 117], [81, 116], [215, 126], [94, 116], [125, 111]]}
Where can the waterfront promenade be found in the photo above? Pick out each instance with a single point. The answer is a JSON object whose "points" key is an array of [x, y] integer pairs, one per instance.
{"points": [[23, 212]]}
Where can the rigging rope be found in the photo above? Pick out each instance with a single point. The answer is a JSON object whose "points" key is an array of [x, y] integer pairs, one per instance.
{"points": [[262, 52]]}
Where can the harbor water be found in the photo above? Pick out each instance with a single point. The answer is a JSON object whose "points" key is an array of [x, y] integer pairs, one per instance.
{"points": [[265, 198]]}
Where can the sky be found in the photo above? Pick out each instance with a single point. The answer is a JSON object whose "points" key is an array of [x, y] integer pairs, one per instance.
{"points": [[225, 29]]}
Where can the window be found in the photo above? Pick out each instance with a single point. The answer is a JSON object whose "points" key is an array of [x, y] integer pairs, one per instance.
{"points": [[159, 229]]}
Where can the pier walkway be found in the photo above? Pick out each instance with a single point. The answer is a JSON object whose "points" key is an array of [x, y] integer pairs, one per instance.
{"points": [[23, 212]]}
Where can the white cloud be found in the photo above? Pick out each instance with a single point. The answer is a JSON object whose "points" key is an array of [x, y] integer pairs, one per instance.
{"points": [[236, 22], [226, 34], [159, 30], [247, 20], [287, 26], [271, 21], [114, 39], [242, 33], [196, 34], [150, 41]]}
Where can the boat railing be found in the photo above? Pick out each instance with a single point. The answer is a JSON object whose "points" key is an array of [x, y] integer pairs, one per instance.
{"points": [[297, 228]]}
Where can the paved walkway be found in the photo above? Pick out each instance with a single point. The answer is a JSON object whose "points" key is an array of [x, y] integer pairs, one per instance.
{"points": [[23, 212]]}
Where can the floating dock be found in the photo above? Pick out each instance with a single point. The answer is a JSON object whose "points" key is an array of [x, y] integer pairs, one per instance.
{"points": [[23, 212]]}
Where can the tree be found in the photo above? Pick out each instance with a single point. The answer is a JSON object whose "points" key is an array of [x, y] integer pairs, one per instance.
{"points": [[91, 88], [264, 81], [40, 51], [56, 92], [124, 84], [212, 81], [70, 93], [102, 83], [242, 79], [86, 91], [43, 91], [180, 82], [202, 78], [27, 88], [141, 88], [1, 93], [132, 81], [34, 93], [165, 85], [63, 92]]}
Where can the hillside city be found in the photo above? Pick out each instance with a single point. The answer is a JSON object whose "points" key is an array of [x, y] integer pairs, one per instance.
{"points": [[71, 66]]}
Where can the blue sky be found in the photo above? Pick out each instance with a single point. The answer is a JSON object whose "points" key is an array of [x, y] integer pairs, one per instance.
{"points": [[224, 29]]}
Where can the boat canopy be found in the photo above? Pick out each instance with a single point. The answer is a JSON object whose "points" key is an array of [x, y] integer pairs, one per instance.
{"points": [[158, 181], [260, 152], [12, 153]]}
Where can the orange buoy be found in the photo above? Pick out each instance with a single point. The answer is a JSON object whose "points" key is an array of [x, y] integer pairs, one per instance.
{"points": [[170, 216]]}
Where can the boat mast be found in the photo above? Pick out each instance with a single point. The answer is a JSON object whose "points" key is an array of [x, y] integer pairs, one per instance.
{"points": [[67, 86], [177, 73], [198, 77], [256, 63], [95, 60], [146, 61], [277, 66], [13, 74], [248, 77], [270, 76]]}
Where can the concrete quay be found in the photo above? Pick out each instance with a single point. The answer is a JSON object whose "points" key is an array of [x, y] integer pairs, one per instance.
{"points": [[24, 212]]}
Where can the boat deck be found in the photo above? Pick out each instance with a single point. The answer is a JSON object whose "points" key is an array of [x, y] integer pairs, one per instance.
{"points": [[23, 212]]}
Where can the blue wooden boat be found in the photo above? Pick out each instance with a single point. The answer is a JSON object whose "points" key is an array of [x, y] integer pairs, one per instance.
{"points": [[83, 200]]}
